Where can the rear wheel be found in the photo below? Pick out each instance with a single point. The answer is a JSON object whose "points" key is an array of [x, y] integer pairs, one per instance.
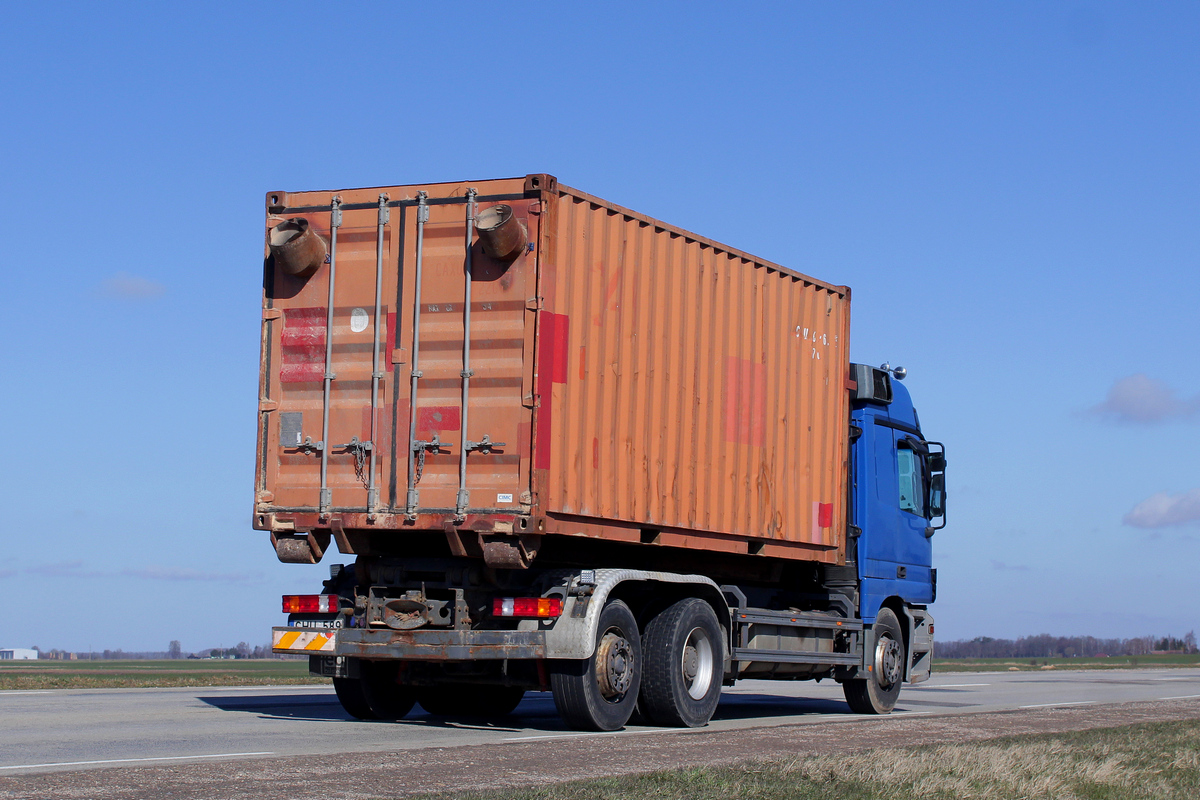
{"points": [[381, 689], [877, 693], [469, 700], [684, 665], [599, 693], [350, 695]]}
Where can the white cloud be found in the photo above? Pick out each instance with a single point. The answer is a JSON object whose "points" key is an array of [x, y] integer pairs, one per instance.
{"points": [[1142, 399], [132, 287], [1164, 510], [157, 572], [75, 568]]}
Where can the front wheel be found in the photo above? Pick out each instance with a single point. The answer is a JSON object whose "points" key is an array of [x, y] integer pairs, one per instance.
{"points": [[684, 658], [877, 693], [599, 693]]}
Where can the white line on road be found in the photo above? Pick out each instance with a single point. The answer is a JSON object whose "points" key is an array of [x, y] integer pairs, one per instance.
{"points": [[946, 686], [10, 694], [1046, 705], [129, 760], [1181, 697]]}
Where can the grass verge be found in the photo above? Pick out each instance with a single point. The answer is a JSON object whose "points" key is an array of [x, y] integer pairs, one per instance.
{"points": [[1154, 760], [1033, 664], [118, 674]]}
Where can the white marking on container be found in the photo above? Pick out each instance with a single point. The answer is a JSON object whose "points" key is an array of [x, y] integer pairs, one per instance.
{"points": [[359, 320], [504, 498]]}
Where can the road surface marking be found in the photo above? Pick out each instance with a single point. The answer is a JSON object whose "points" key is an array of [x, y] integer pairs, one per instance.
{"points": [[129, 760], [1075, 703], [946, 686], [10, 694], [1181, 697]]}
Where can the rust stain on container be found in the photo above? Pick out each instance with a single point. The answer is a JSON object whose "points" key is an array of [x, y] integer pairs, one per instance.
{"points": [[641, 377]]}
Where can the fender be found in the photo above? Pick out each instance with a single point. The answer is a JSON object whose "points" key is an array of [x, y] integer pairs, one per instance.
{"points": [[575, 636]]}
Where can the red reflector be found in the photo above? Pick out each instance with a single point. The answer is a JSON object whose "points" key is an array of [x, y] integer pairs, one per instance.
{"points": [[537, 607], [310, 603]]}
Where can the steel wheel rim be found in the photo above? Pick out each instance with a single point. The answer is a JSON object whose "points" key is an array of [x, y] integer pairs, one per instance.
{"points": [[614, 665], [887, 661], [696, 663]]}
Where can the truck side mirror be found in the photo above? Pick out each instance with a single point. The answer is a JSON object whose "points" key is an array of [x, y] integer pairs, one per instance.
{"points": [[937, 462], [937, 495]]}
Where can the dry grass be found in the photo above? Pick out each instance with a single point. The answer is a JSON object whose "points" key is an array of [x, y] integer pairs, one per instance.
{"points": [[1159, 760], [121, 674]]}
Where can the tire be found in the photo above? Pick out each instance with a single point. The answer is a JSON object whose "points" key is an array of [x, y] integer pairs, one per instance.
{"points": [[470, 700], [683, 659], [877, 693], [386, 697], [350, 695], [599, 693]]}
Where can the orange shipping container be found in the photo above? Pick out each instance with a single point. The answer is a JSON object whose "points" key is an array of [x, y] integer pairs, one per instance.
{"points": [[624, 380]]}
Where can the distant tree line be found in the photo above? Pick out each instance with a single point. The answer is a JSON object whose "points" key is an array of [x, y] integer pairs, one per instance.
{"points": [[1047, 646], [174, 650]]}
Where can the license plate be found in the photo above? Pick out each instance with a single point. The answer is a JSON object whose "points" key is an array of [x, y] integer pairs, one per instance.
{"points": [[331, 621]]}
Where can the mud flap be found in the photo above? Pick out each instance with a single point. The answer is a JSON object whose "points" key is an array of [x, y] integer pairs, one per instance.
{"points": [[920, 645]]}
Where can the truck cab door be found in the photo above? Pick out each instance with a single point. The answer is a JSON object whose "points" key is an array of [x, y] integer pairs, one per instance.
{"points": [[895, 555]]}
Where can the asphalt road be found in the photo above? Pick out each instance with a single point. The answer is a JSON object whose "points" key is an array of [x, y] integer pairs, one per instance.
{"points": [[64, 730]]}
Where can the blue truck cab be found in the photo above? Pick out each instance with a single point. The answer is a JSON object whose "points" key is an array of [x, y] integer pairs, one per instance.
{"points": [[897, 502]]}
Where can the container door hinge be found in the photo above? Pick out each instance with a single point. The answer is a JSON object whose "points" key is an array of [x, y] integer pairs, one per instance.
{"points": [[267, 404], [272, 313], [533, 304]]}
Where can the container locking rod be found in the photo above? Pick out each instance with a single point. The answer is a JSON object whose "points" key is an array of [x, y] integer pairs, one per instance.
{"points": [[335, 222], [410, 507], [463, 494], [376, 375]]}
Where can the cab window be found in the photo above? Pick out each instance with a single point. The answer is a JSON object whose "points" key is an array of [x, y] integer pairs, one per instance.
{"points": [[912, 492]]}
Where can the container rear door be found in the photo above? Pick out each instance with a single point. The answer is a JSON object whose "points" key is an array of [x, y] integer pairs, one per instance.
{"points": [[497, 476], [500, 369]]}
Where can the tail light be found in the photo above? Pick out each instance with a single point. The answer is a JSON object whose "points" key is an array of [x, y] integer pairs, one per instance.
{"points": [[533, 607], [310, 604]]}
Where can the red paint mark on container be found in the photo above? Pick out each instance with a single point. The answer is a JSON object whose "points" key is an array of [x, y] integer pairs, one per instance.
{"points": [[439, 418], [553, 332], [825, 515], [745, 401], [301, 373], [302, 345]]}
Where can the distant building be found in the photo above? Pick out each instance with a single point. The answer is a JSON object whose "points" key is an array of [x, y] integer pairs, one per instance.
{"points": [[18, 654]]}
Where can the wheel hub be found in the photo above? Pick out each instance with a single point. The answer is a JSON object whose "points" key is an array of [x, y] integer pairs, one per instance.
{"points": [[691, 662], [888, 661], [697, 663], [614, 657]]}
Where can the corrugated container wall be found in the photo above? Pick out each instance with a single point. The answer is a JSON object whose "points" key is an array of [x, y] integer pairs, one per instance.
{"points": [[650, 385]]}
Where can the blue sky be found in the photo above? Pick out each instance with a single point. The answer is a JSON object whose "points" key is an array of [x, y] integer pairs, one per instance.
{"points": [[1012, 191]]}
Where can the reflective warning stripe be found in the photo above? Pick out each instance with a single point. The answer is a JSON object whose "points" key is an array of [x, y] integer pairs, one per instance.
{"points": [[303, 640]]}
